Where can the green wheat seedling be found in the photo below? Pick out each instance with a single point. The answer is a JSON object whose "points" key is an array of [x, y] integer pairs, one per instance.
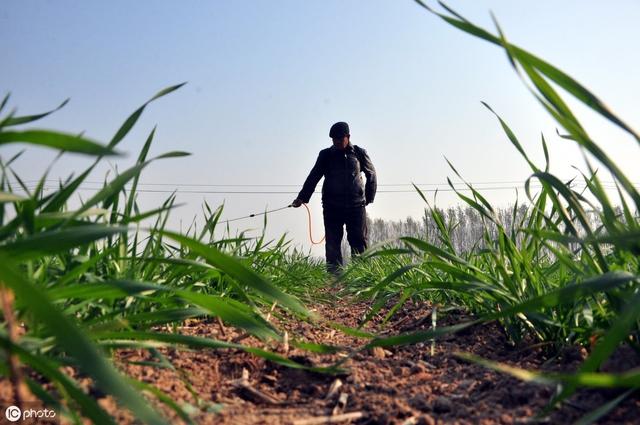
{"points": [[103, 276], [566, 272]]}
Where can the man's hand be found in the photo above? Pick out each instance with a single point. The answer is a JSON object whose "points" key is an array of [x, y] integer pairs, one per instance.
{"points": [[296, 203]]}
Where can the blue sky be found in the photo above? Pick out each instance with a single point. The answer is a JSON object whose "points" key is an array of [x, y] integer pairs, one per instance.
{"points": [[266, 79]]}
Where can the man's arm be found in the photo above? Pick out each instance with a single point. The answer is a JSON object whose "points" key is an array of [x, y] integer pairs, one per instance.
{"points": [[370, 173], [311, 182]]}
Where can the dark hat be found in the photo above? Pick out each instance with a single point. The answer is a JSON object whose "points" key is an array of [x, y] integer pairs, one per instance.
{"points": [[339, 129]]}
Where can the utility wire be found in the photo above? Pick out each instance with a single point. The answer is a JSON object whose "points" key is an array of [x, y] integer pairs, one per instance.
{"points": [[248, 192], [285, 192], [295, 185]]}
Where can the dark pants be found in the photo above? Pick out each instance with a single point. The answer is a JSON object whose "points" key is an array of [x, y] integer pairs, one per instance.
{"points": [[334, 220]]}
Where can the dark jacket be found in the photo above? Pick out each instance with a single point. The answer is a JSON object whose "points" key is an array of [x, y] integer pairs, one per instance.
{"points": [[343, 186]]}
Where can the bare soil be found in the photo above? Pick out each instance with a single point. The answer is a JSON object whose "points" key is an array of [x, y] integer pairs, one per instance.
{"points": [[399, 385]]}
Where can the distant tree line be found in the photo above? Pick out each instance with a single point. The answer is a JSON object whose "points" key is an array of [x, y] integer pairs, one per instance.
{"points": [[465, 227]]}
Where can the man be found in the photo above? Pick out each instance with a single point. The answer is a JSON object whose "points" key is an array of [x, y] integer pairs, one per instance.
{"points": [[344, 196]]}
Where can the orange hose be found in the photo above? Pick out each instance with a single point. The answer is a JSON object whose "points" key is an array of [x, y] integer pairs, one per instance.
{"points": [[310, 236]]}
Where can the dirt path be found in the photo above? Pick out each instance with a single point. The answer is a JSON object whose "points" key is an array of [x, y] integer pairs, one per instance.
{"points": [[401, 385]]}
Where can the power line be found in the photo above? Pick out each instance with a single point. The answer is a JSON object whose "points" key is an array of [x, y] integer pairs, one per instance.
{"points": [[431, 187], [265, 192], [295, 185]]}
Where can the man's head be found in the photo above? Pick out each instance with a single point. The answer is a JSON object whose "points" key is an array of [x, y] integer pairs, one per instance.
{"points": [[339, 133]]}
